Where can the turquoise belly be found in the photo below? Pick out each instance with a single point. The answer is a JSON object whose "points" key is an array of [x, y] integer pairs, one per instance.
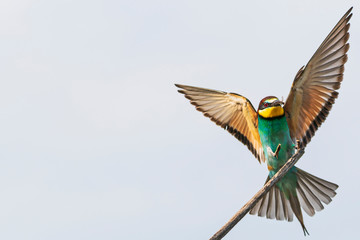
{"points": [[273, 132]]}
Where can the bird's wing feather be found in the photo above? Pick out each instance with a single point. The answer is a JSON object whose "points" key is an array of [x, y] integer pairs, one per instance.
{"points": [[314, 89], [231, 111]]}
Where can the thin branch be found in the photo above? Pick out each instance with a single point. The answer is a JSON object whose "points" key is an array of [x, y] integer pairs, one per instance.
{"points": [[250, 204]]}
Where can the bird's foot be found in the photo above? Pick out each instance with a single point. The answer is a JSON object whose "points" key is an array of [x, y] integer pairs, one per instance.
{"points": [[297, 146], [276, 154]]}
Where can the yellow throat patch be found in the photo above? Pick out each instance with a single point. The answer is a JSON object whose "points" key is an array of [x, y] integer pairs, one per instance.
{"points": [[271, 112]]}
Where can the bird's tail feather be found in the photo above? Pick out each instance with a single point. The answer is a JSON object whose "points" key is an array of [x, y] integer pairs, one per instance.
{"points": [[311, 192]]}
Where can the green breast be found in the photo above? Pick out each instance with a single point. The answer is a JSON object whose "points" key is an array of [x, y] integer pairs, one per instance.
{"points": [[275, 131]]}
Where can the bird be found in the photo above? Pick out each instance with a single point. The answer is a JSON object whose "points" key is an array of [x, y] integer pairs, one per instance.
{"points": [[276, 129]]}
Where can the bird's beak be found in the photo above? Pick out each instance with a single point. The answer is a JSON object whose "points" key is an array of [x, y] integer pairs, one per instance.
{"points": [[277, 103]]}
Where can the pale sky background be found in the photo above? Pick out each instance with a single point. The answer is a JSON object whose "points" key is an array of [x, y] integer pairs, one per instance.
{"points": [[97, 144]]}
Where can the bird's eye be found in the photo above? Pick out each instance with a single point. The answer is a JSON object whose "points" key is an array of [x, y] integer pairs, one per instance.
{"points": [[266, 104]]}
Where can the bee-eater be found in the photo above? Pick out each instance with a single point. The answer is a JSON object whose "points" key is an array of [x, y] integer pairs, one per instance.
{"points": [[273, 132]]}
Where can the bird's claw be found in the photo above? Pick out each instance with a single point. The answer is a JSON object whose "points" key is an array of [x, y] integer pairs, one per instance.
{"points": [[276, 154]]}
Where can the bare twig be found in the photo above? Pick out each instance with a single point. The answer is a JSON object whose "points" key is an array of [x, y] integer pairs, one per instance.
{"points": [[250, 204]]}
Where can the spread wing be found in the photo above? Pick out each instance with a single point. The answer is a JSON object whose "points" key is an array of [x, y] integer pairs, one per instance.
{"points": [[230, 111], [314, 89]]}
